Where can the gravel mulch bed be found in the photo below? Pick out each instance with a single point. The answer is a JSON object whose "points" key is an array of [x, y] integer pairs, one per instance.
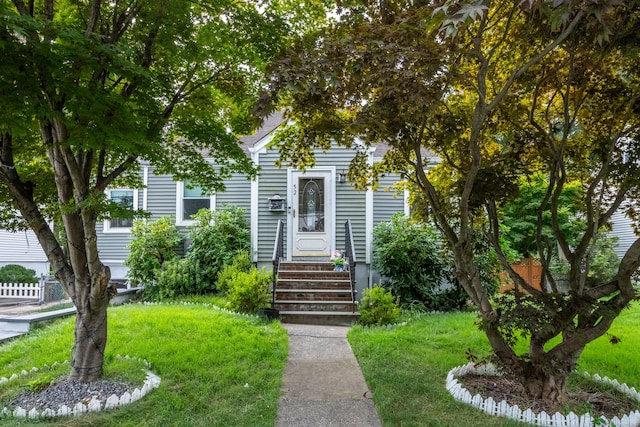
{"points": [[64, 391]]}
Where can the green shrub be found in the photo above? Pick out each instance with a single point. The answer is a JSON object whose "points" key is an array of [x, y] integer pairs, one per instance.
{"points": [[13, 273], [408, 255], [240, 264], [249, 292], [216, 238], [176, 278], [420, 271], [378, 307], [153, 244]]}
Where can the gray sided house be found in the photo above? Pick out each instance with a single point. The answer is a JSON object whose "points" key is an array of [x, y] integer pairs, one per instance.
{"points": [[313, 205]]}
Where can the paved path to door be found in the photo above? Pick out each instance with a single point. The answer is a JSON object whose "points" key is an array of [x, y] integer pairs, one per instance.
{"points": [[323, 385]]}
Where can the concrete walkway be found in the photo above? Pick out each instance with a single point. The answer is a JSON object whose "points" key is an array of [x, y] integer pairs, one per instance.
{"points": [[323, 385]]}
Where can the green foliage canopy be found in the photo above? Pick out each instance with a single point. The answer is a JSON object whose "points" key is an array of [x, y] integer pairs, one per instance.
{"points": [[521, 215], [469, 97], [92, 89]]}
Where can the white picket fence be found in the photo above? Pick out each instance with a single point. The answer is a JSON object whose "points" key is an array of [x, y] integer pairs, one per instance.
{"points": [[503, 409], [20, 290]]}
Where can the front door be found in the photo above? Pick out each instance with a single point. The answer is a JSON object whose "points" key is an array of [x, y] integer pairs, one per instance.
{"points": [[312, 212]]}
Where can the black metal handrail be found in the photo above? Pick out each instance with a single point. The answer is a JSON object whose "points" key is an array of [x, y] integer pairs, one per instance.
{"points": [[278, 250], [350, 258]]}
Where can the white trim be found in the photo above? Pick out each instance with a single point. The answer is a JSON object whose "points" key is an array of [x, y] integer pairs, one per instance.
{"points": [[368, 224], [330, 206], [107, 228], [255, 194], [369, 215], [407, 207], [260, 146], [145, 189], [180, 221], [289, 213]]}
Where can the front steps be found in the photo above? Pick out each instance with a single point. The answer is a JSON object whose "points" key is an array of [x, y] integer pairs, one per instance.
{"points": [[310, 292]]}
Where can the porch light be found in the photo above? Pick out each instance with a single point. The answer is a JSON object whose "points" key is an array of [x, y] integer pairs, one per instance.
{"points": [[342, 177]]}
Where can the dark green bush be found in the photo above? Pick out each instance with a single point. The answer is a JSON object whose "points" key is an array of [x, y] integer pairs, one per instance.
{"points": [[177, 277], [408, 255], [378, 307], [240, 264], [216, 238], [249, 292], [13, 273], [153, 244], [420, 271]]}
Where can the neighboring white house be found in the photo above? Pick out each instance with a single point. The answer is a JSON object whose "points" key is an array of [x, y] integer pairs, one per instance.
{"points": [[23, 248]]}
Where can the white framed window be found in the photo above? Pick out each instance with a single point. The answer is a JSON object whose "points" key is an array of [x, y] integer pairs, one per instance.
{"points": [[127, 198], [191, 200]]}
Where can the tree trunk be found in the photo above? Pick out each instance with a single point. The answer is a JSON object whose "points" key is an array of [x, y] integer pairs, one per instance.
{"points": [[90, 334], [549, 387], [90, 340]]}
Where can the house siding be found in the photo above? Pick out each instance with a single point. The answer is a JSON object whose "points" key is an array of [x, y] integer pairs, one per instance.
{"points": [[237, 193], [349, 203], [622, 229], [112, 245], [160, 202], [272, 181], [387, 201], [23, 248], [161, 195]]}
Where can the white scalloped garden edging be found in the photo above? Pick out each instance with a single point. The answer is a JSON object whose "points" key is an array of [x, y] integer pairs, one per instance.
{"points": [[503, 409], [94, 405]]}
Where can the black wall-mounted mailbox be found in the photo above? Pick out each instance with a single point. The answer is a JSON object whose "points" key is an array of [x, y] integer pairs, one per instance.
{"points": [[277, 203]]}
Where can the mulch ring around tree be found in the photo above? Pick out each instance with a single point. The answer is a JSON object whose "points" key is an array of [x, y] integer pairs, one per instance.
{"points": [[583, 398]]}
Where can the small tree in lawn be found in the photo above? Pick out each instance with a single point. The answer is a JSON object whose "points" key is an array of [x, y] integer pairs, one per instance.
{"points": [[496, 91], [89, 90]]}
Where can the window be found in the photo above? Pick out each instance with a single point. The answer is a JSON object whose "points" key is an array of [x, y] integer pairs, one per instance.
{"points": [[190, 201], [127, 199]]}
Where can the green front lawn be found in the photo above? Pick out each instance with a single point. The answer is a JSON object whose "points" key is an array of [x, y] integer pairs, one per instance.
{"points": [[406, 366], [217, 369], [223, 369]]}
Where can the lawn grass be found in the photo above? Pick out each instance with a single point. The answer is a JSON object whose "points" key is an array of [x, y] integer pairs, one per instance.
{"points": [[217, 369], [406, 366], [222, 369]]}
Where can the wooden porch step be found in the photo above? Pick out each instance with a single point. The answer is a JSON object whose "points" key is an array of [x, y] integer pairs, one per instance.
{"points": [[314, 294], [335, 318], [306, 265], [315, 275], [315, 305], [320, 284]]}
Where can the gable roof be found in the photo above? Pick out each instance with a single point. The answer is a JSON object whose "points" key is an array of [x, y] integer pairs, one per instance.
{"points": [[275, 120], [270, 124]]}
